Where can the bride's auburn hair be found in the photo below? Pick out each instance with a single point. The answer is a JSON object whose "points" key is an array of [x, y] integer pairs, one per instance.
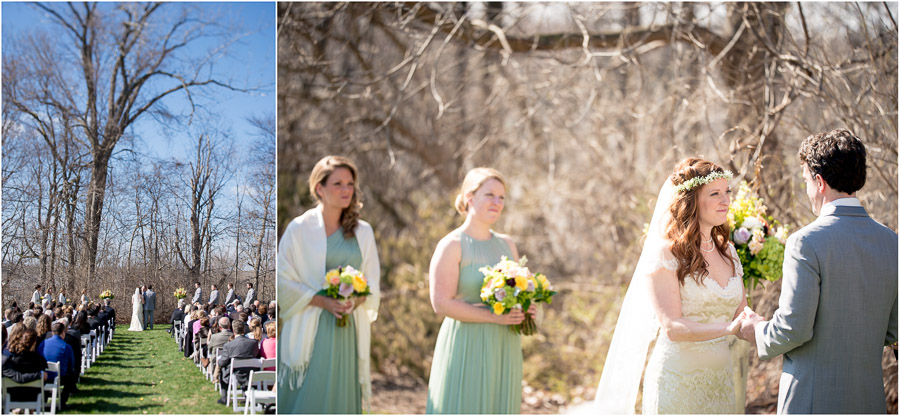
{"points": [[683, 230], [319, 176], [472, 182]]}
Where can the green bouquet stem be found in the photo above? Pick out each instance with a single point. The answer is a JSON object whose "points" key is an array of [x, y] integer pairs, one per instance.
{"points": [[342, 321], [527, 327]]}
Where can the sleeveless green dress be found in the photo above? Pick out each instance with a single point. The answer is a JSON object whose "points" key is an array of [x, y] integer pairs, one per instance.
{"points": [[331, 384], [477, 367]]}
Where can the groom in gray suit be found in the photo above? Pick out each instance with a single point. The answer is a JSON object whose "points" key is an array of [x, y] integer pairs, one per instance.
{"points": [[149, 307], [838, 305]]}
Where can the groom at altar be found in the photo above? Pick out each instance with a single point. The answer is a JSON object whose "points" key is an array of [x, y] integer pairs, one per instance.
{"points": [[149, 306], [838, 304]]}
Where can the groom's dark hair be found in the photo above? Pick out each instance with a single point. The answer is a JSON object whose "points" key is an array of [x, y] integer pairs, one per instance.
{"points": [[838, 156]]}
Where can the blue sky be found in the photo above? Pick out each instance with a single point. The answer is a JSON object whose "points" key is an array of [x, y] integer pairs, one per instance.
{"points": [[250, 62]]}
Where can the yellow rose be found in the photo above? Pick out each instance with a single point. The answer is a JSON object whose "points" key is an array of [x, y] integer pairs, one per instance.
{"points": [[498, 308], [545, 284], [359, 283], [521, 282], [498, 283]]}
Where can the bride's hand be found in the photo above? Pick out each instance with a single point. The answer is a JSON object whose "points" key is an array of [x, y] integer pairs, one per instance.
{"points": [[734, 328]]}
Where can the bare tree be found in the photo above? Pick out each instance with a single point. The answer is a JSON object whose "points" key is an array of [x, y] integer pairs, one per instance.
{"points": [[130, 57]]}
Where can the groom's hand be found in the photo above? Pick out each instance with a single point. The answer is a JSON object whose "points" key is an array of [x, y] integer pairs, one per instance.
{"points": [[749, 319]]}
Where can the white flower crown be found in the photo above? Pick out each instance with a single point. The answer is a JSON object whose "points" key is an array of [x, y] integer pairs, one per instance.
{"points": [[702, 180]]}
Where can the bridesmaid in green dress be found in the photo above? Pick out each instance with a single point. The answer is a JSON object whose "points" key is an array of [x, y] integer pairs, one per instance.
{"points": [[477, 365], [334, 377]]}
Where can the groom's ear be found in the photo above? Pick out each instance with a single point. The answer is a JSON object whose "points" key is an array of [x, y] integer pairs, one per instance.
{"points": [[821, 185]]}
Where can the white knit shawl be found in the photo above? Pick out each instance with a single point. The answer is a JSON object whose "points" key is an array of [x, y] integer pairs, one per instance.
{"points": [[300, 274]]}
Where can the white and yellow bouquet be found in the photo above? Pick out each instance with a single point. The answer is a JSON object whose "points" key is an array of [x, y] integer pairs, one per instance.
{"points": [[509, 285], [344, 283], [759, 239], [180, 293], [106, 294]]}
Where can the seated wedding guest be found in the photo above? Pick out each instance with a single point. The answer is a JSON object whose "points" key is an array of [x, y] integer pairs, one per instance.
{"points": [[93, 321], [254, 330], [262, 313], [55, 349], [202, 337], [8, 316], [197, 324], [177, 315], [189, 334], [23, 364], [270, 344], [81, 325], [73, 338], [218, 339], [272, 308], [102, 315], [236, 315], [3, 329], [30, 323], [17, 320], [238, 347], [43, 327], [110, 313]]}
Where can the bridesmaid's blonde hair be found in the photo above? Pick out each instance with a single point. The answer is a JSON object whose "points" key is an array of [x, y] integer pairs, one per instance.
{"points": [[473, 181]]}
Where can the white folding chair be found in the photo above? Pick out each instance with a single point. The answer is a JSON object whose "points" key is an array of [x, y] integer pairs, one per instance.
{"points": [[94, 350], [266, 363], [256, 394], [177, 330], [103, 338], [234, 393], [53, 387], [215, 362], [86, 351], [37, 404]]}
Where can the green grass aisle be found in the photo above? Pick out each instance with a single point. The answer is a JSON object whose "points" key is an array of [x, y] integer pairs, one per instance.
{"points": [[144, 373]]}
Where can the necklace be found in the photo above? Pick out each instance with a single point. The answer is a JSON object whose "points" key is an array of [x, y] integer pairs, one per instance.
{"points": [[702, 242]]}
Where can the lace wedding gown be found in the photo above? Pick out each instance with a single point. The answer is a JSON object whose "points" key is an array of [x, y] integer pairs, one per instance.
{"points": [[137, 313], [696, 377]]}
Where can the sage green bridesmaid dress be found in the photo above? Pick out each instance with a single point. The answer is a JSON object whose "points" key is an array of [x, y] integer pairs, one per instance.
{"points": [[477, 367], [331, 384]]}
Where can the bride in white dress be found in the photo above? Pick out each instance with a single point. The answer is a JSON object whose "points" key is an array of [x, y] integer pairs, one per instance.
{"points": [[137, 311], [686, 293]]}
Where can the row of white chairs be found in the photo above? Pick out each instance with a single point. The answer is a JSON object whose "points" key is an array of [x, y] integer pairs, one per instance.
{"points": [[91, 346], [258, 391]]}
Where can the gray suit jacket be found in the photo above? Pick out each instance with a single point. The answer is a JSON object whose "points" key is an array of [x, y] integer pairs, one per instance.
{"points": [[251, 296], [149, 300], [837, 311], [240, 347], [198, 294], [229, 297], [214, 297]]}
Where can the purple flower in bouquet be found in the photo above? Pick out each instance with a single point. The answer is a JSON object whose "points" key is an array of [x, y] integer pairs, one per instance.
{"points": [[499, 294], [345, 290], [742, 235]]}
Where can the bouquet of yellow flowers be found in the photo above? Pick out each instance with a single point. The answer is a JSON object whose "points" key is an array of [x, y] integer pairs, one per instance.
{"points": [[106, 294], [180, 293], [758, 239], [344, 283], [509, 285]]}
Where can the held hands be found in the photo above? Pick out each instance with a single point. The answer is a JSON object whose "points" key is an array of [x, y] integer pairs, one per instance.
{"points": [[744, 325]]}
